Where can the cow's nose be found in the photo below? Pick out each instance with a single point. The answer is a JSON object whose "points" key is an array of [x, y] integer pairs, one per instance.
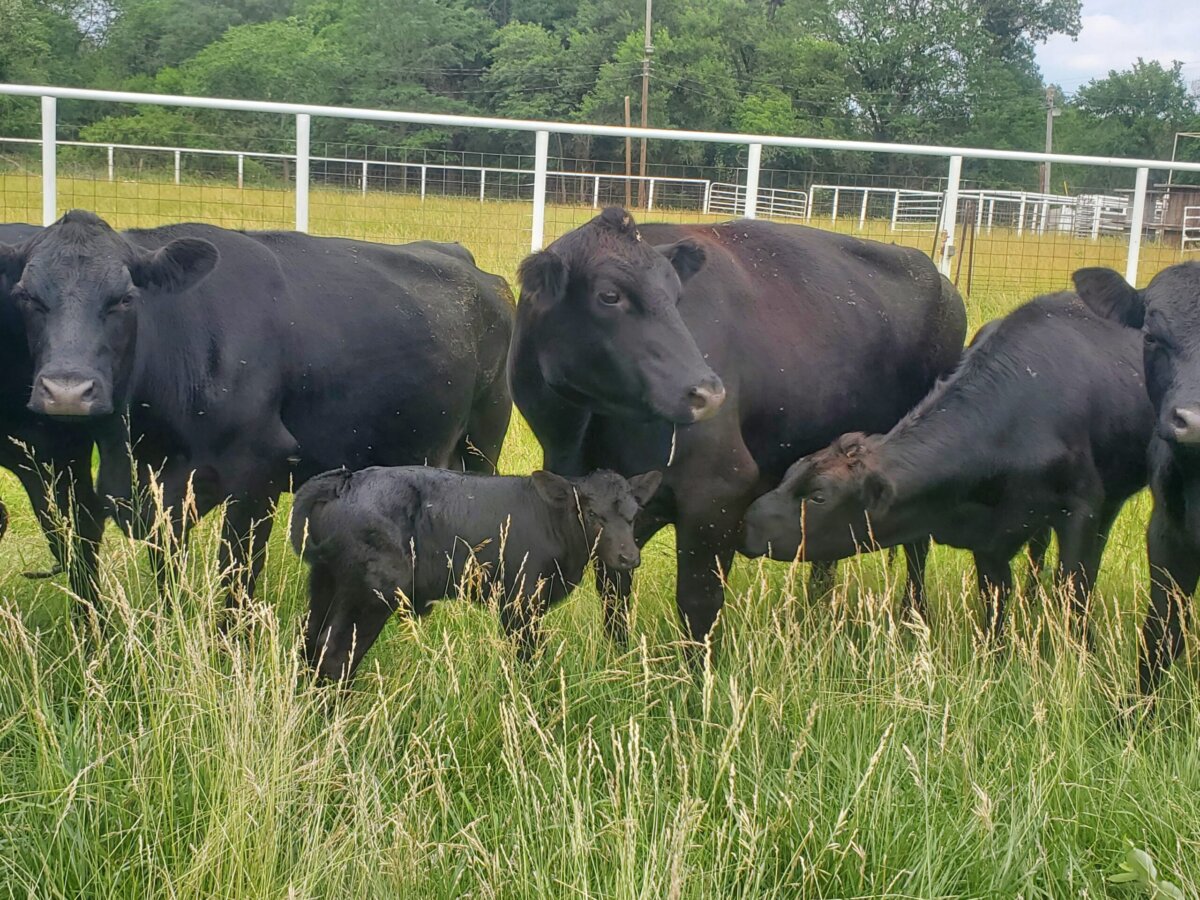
{"points": [[65, 397], [706, 398], [1185, 424], [629, 560]]}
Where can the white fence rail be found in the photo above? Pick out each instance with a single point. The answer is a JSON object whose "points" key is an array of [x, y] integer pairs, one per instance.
{"points": [[727, 199], [1190, 236], [754, 144]]}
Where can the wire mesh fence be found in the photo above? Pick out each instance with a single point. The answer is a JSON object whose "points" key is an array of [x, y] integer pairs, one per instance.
{"points": [[988, 229]]}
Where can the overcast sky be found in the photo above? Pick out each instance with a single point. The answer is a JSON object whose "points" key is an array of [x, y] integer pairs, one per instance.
{"points": [[1117, 32]]}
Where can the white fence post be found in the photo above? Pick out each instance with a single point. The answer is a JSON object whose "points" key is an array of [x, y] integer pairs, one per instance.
{"points": [[596, 193], [862, 213], [178, 165], [950, 213], [241, 171], [112, 168], [1136, 219], [707, 197], [650, 196], [49, 160], [895, 209], [364, 177], [833, 212], [424, 170], [541, 159], [482, 184], [753, 167], [303, 132]]}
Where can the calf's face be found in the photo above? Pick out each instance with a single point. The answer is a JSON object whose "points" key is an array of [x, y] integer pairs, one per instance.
{"points": [[603, 319], [605, 506], [1168, 313], [819, 510], [78, 285]]}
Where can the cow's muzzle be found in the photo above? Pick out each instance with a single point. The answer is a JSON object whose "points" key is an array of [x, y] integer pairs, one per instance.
{"points": [[706, 398], [1183, 425], [69, 396]]}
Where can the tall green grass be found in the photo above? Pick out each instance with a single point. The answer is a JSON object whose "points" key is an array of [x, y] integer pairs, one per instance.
{"points": [[828, 750]]}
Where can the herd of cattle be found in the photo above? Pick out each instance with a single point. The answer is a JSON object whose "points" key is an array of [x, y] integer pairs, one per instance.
{"points": [[773, 389]]}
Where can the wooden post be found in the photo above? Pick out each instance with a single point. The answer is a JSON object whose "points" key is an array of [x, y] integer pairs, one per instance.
{"points": [[628, 159]]}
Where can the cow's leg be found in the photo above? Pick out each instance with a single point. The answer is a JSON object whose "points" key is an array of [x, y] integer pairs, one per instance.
{"points": [[76, 494], [115, 482], [915, 556], [244, 537], [36, 481], [521, 619], [1081, 543], [1174, 571], [1037, 548], [993, 574], [822, 576], [479, 449]]}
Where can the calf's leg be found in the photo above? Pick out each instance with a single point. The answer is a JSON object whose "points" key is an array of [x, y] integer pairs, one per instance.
{"points": [[915, 556], [993, 574]]}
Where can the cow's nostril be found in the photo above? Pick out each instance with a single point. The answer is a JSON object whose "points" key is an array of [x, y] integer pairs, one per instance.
{"points": [[705, 399], [1185, 423]]}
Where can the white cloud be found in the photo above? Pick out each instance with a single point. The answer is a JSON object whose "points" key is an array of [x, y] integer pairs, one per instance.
{"points": [[1115, 33]]}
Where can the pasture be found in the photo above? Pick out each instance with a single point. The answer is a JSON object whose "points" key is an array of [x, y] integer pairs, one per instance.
{"points": [[828, 750]]}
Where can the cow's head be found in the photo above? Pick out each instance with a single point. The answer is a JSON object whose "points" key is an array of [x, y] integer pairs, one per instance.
{"points": [[823, 503], [605, 506], [1168, 313], [78, 284], [600, 308]]}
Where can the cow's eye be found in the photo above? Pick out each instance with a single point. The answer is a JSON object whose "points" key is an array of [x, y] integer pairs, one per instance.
{"points": [[119, 304], [817, 497], [27, 299], [610, 298], [1151, 339]]}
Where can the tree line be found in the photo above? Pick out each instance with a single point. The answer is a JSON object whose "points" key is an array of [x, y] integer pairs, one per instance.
{"points": [[960, 72]]}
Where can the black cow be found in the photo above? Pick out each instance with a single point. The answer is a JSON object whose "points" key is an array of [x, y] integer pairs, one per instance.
{"points": [[718, 353], [1166, 316], [412, 535], [251, 361], [1043, 426], [52, 460]]}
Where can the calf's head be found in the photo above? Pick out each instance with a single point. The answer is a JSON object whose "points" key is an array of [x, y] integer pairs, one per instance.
{"points": [[820, 509], [599, 305], [605, 506], [1168, 313], [78, 285]]}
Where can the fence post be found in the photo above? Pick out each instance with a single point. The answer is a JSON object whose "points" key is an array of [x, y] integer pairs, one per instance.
{"points": [[364, 177], [833, 214], [862, 213], [423, 172], [303, 132], [49, 160], [650, 196], [482, 184], [753, 167], [112, 168], [1021, 215], [708, 186], [950, 213], [895, 209], [241, 171], [177, 166], [1136, 220], [541, 156], [596, 193]]}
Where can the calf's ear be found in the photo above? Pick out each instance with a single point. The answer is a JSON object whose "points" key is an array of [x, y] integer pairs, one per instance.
{"points": [[644, 486], [542, 277], [686, 257], [174, 267], [554, 489], [1109, 295]]}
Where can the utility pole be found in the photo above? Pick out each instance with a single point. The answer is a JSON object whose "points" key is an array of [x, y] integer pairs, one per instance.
{"points": [[1051, 112], [647, 50]]}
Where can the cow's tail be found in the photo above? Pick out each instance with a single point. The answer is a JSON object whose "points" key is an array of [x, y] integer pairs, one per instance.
{"points": [[306, 533]]}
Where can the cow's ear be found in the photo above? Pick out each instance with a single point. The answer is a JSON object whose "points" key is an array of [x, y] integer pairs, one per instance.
{"points": [[554, 489], [644, 486], [1109, 295], [686, 257], [878, 492], [543, 276], [12, 264], [175, 267]]}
